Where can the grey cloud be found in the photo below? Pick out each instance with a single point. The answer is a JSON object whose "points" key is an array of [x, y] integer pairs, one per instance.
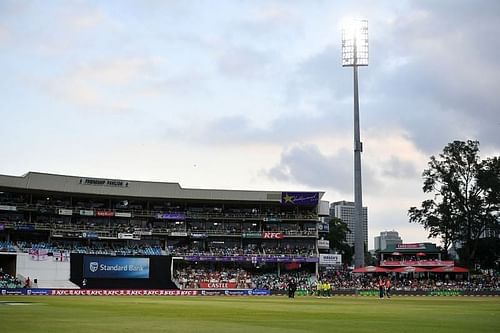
{"points": [[432, 101], [307, 165], [285, 130], [456, 65], [398, 168], [321, 72], [444, 90]]}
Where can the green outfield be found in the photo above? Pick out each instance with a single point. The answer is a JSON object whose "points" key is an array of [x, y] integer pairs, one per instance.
{"points": [[248, 314]]}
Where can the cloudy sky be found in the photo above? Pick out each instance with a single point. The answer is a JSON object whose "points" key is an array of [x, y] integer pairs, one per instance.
{"points": [[248, 94]]}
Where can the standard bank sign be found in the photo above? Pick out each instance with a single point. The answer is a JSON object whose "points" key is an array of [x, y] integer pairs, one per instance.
{"points": [[115, 267]]}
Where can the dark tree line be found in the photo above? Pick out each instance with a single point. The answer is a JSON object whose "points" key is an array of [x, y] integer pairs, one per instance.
{"points": [[338, 239], [465, 207]]}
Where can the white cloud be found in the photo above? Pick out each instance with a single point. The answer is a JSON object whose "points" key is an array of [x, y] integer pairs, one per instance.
{"points": [[102, 86]]}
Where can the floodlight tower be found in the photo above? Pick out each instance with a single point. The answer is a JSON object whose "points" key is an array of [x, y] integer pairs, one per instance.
{"points": [[354, 54]]}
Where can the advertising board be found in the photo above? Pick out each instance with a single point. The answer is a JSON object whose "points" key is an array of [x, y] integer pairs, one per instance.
{"points": [[115, 267]]}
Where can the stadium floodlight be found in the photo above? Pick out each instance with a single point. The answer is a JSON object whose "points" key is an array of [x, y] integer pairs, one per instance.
{"points": [[355, 43], [354, 54]]}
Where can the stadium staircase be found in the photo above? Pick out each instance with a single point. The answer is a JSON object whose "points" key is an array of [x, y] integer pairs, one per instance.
{"points": [[57, 284]]}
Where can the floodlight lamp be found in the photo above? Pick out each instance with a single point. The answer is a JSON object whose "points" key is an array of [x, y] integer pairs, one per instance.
{"points": [[355, 43]]}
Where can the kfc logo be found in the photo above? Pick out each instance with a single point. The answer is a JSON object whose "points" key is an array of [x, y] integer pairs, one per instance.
{"points": [[273, 235]]}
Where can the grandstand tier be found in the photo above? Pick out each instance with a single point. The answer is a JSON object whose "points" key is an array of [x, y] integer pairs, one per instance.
{"points": [[52, 217]]}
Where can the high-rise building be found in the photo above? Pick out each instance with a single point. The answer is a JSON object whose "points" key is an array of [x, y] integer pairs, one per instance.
{"points": [[345, 210], [387, 238]]}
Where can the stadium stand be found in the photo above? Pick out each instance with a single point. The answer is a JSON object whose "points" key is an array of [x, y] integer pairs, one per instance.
{"points": [[216, 238], [49, 217]]}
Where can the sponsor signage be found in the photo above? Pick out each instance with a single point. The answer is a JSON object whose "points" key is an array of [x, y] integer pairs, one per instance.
{"points": [[218, 285], [251, 235], [122, 235], [323, 227], [242, 292], [67, 212], [261, 292], [86, 212], [121, 214], [446, 293], [123, 292], [272, 235], [330, 259], [89, 234], [70, 234], [178, 233], [418, 263], [25, 227], [368, 292], [38, 292], [272, 219], [143, 233], [103, 182], [105, 213], [11, 208], [198, 235], [13, 292], [323, 244], [171, 216], [115, 267], [412, 246], [300, 198], [252, 259], [212, 292]]}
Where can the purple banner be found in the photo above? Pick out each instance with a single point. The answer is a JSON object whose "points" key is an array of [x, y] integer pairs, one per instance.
{"points": [[171, 216], [300, 198], [2, 226], [271, 259]]}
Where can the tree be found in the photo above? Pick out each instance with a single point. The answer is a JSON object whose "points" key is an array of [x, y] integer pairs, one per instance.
{"points": [[488, 253], [338, 236], [465, 202]]}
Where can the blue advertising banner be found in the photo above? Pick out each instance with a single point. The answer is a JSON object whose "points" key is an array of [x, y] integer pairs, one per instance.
{"points": [[171, 216], [25, 227], [16, 291], [240, 292], [323, 227], [300, 198], [39, 292], [261, 292], [95, 267]]}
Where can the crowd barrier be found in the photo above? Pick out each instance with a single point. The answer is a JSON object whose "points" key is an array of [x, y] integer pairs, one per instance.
{"points": [[230, 292]]}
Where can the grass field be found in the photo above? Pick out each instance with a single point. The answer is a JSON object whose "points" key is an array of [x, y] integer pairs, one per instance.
{"points": [[248, 314]]}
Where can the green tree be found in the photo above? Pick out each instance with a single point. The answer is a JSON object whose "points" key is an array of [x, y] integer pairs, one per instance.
{"points": [[488, 253], [465, 202], [338, 239]]}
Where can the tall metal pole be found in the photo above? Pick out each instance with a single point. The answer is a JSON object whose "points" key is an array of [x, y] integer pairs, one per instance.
{"points": [[359, 248], [351, 57]]}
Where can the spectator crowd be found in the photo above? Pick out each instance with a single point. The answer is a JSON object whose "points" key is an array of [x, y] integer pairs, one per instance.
{"points": [[337, 280]]}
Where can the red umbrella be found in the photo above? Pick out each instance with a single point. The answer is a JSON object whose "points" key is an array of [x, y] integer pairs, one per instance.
{"points": [[410, 269], [421, 254], [371, 269], [450, 269]]}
